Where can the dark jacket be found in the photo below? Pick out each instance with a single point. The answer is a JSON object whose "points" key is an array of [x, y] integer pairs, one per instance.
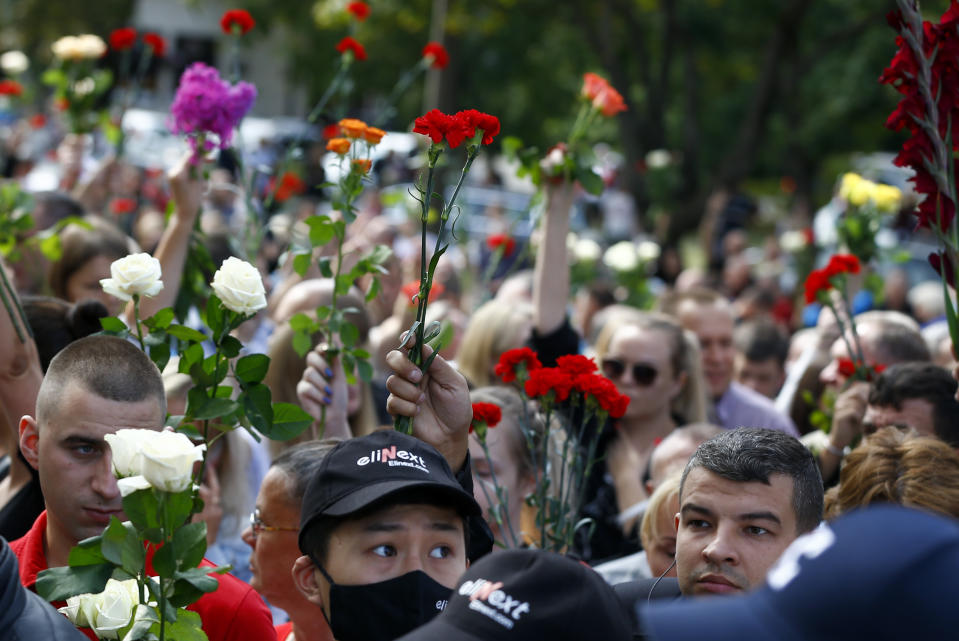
{"points": [[23, 614], [633, 594]]}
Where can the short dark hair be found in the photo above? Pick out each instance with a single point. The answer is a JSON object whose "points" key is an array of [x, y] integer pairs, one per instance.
{"points": [[300, 463], [759, 341], [107, 366], [318, 538], [57, 323], [924, 381], [753, 454]]}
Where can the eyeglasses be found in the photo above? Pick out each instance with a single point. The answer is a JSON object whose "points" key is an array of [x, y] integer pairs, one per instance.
{"points": [[258, 526], [643, 373]]}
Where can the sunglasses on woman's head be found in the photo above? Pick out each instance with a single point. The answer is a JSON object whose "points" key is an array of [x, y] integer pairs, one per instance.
{"points": [[643, 373]]}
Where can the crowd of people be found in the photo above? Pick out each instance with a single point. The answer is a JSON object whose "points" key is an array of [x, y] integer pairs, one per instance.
{"points": [[716, 504]]}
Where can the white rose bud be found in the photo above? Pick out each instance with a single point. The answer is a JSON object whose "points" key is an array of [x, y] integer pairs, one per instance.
{"points": [[239, 286], [14, 62], [134, 274], [107, 612], [125, 448], [622, 257], [168, 461]]}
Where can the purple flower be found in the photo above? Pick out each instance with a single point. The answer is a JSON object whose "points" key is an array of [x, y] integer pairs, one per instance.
{"points": [[206, 106]]}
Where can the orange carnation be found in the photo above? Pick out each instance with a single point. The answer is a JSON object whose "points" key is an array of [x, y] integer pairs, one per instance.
{"points": [[338, 145], [373, 135], [352, 127], [363, 165]]}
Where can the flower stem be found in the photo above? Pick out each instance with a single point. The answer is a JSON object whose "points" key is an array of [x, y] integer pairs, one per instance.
{"points": [[136, 321]]}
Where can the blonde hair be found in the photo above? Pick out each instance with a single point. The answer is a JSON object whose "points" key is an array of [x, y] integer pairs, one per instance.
{"points": [[893, 466], [690, 403], [665, 492], [493, 329]]}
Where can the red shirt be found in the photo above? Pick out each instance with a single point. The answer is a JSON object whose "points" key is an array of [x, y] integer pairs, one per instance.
{"points": [[234, 612], [283, 630]]}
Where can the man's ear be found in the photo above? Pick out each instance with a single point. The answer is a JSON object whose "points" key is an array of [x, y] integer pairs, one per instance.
{"points": [[30, 441], [304, 577]]}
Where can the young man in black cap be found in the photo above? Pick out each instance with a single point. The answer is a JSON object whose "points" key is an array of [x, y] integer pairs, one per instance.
{"points": [[528, 594], [384, 536]]}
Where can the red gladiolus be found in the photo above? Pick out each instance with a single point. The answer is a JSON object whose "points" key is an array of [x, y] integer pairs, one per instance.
{"points": [[436, 51], [10, 88], [512, 360], [816, 282], [940, 261], [121, 206], [123, 39], [576, 364], [470, 120], [488, 413], [237, 22], [350, 44], [360, 10], [156, 42], [496, 241]]}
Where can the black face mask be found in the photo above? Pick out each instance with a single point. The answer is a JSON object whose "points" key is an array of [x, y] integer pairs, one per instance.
{"points": [[386, 610]]}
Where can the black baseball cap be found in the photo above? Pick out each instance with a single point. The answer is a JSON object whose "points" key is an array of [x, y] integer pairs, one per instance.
{"points": [[528, 594], [883, 572], [362, 471]]}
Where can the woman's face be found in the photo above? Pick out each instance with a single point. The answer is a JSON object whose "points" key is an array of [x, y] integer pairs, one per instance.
{"points": [[661, 551], [85, 283], [634, 350], [501, 462]]}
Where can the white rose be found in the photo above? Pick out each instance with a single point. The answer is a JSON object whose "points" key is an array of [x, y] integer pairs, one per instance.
{"points": [[239, 286], [587, 250], [91, 46], [622, 257], [107, 612], [134, 274], [648, 251], [125, 448], [168, 461], [14, 62], [66, 48], [130, 484]]}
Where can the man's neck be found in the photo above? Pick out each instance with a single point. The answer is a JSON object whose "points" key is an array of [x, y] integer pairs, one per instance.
{"points": [[308, 624], [56, 549]]}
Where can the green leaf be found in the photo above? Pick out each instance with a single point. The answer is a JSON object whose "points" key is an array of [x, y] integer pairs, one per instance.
{"points": [[301, 263], [199, 578], [57, 584], [185, 333], [302, 343], [289, 421], [343, 284], [214, 314], [113, 324], [160, 354], [215, 408], [187, 627], [87, 552], [374, 290], [189, 357], [122, 546], [301, 323], [321, 230], [230, 346], [326, 270], [349, 334], [256, 402], [190, 544], [252, 368], [179, 507], [142, 508], [591, 182], [365, 370]]}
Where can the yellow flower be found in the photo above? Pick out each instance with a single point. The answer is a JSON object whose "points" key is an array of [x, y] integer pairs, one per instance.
{"points": [[887, 198], [373, 135], [338, 145], [352, 128], [849, 182]]}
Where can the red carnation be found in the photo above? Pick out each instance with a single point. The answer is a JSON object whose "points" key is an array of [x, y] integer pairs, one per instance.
{"points": [[123, 39], [435, 124], [816, 282], [350, 44], [511, 362], [841, 264], [488, 413], [845, 366], [544, 380], [10, 88], [360, 10], [471, 120], [121, 206], [496, 241], [237, 22], [576, 364], [156, 42], [440, 57]]}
